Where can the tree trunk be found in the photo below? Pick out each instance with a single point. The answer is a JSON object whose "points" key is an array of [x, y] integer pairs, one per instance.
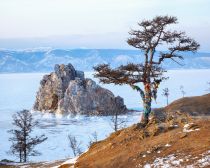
{"points": [[147, 104], [25, 155], [147, 111], [147, 99], [24, 146], [20, 155]]}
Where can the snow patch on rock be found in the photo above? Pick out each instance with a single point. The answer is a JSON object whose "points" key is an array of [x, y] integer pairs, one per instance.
{"points": [[190, 127]]}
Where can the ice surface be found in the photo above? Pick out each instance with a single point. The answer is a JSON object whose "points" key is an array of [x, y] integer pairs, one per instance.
{"points": [[18, 91]]}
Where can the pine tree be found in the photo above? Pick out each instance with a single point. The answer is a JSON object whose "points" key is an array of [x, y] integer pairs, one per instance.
{"points": [[150, 35]]}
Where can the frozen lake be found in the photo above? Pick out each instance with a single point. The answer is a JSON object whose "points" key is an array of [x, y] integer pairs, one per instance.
{"points": [[18, 92]]}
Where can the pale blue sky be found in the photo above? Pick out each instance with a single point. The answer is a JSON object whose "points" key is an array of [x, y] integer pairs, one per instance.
{"points": [[93, 23]]}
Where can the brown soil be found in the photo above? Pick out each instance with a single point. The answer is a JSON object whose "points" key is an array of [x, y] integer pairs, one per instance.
{"points": [[136, 146]]}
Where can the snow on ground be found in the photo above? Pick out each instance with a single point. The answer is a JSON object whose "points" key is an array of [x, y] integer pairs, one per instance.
{"points": [[173, 161], [71, 161], [165, 162], [205, 160]]}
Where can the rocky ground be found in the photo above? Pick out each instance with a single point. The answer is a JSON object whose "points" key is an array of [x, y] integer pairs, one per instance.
{"points": [[174, 143]]}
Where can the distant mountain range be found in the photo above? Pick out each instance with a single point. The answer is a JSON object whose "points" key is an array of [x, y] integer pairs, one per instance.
{"points": [[44, 59]]}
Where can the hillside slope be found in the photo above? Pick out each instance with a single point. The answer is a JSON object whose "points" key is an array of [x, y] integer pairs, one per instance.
{"points": [[160, 145], [196, 106], [157, 145]]}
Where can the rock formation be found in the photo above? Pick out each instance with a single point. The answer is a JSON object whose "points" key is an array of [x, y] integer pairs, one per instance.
{"points": [[67, 91]]}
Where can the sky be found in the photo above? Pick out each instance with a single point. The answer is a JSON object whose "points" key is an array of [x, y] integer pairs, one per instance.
{"points": [[94, 23]]}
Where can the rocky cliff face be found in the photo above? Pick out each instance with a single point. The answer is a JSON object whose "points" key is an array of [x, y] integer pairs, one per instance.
{"points": [[66, 91]]}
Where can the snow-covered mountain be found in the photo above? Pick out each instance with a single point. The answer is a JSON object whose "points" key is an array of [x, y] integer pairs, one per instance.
{"points": [[44, 59]]}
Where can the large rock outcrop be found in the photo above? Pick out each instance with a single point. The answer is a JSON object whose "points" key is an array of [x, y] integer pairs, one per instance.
{"points": [[66, 91]]}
